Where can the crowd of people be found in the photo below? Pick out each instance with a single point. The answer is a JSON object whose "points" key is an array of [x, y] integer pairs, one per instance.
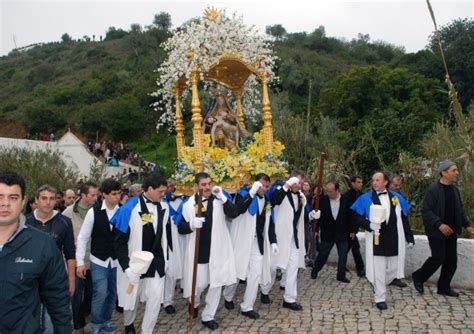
{"points": [[85, 254], [112, 153]]}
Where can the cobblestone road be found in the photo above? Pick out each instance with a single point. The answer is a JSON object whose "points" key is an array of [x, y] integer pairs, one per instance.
{"points": [[333, 307]]}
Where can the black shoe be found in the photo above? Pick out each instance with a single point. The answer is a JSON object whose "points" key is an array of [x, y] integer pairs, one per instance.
{"points": [[170, 309], [418, 285], [361, 273], [130, 329], [449, 293], [242, 281], [314, 274], [399, 283], [343, 280], [251, 314], [293, 306], [264, 299], [282, 287], [381, 306], [229, 305], [211, 324]]}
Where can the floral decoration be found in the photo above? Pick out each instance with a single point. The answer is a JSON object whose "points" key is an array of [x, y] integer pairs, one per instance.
{"points": [[147, 218]]}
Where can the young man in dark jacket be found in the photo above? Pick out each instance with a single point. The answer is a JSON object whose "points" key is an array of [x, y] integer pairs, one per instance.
{"points": [[33, 270], [444, 217]]}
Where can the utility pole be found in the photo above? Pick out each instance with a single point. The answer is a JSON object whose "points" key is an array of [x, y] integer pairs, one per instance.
{"points": [[14, 41], [308, 113]]}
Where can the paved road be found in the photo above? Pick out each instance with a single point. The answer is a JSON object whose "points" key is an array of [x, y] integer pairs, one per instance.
{"points": [[334, 307]]}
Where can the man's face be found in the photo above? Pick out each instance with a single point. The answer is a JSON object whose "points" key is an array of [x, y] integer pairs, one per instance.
{"points": [[69, 197], [91, 196], [11, 203], [297, 187], [113, 198], [59, 198], [451, 174], [396, 185], [45, 202], [156, 195], [206, 186], [265, 185], [357, 184], [378, 182], [331, 191]]}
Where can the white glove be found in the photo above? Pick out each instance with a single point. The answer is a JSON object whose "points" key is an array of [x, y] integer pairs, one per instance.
{"points": [[219, 194], [375, 227], [133, 278], [197, 222], [255, 187], [292, 181], [410, 245], [315, 214], [275, 249]]}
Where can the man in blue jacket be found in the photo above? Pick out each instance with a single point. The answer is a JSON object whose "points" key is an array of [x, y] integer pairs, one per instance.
{"points": [[33, 270]]}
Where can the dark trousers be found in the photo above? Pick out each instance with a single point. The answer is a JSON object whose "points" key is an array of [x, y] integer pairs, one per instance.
{"points": [[323, 254], [444, 254], [81, 301], [355, 247]]}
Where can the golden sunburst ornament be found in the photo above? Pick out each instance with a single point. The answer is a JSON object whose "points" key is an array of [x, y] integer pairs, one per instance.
{"points": [[212, 14]]}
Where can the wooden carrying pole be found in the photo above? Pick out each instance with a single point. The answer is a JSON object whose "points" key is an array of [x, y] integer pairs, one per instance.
{"points": [[195, 263], [315, 202]]}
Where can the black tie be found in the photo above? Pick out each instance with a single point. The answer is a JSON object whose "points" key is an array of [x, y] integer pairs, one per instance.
{"points": [[382, 193], [158, 204]]}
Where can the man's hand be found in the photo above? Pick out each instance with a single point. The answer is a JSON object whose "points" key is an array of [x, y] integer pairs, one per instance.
{"points": [[72, 286], [197, 222], [255, 187], [81, 272], [352, 236], [133, 278], [219, 194], [471, 231], [410, 245], [275, 249], [292, 181], [445, 230], [314, 214]]}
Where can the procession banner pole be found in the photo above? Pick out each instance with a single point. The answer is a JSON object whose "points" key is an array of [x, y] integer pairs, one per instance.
{"points": [[195, 263], [315, 202]]}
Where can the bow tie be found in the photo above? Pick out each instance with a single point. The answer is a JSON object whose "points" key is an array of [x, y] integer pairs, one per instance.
{"points": [[155, 203], [382, 193]]}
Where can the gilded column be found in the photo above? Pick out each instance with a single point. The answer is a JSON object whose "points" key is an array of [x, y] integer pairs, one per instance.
{"points": [[239, 113], [179, 124], [267, 115], [198, 137]]}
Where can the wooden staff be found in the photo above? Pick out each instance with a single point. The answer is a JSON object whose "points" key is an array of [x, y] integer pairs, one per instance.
{"points": [[195, 263], [315, 202]]}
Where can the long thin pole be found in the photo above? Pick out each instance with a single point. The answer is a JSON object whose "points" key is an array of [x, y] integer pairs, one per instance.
{"points": [[195, 263], [315, 204]]}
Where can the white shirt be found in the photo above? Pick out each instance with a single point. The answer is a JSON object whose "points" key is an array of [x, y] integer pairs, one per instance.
{"points": [[85, 235], [335, 205], [385, 202]]}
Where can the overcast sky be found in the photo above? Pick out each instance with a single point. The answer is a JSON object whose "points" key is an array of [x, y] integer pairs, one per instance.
{"points": [[403, 23]]}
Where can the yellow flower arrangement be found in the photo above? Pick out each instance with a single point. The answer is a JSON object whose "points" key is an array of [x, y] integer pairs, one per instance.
{"points": [[394, 201], [147, 218], [224, 165]]}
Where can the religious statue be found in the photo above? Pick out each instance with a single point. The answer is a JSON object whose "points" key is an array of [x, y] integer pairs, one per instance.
{"points": [[222, 124]]}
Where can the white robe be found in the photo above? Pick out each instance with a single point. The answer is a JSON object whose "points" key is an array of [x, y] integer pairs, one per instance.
{"points": [[128, 301], [242, 232], [175, 265], [369, 250], [284, 232], [221, 259]]}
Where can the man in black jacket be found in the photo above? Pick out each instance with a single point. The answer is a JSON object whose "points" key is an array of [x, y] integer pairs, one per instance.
{"points": [[351, 195], [32, 268], [333, 227], [443, 216]]}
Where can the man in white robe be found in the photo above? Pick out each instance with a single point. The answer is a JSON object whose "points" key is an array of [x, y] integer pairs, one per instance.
{"points": [[216, 264], [385, 261], [288, 204], [141, 225], [253, 235]]}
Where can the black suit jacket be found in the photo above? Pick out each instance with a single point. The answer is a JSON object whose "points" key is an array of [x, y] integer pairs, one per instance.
{"points": [[334, 229]]}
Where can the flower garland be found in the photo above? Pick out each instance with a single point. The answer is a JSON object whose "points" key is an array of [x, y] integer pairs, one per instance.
{"points": [[224, 165], [208, 39]]}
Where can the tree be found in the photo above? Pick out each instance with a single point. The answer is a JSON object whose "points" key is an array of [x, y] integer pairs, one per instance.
{"points": [[457, 39], [114, 33], [277, 31], [162, 21], [66, 38]]}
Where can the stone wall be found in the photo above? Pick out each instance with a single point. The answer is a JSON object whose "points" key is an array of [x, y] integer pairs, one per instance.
{"points": [[415, 257]]}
